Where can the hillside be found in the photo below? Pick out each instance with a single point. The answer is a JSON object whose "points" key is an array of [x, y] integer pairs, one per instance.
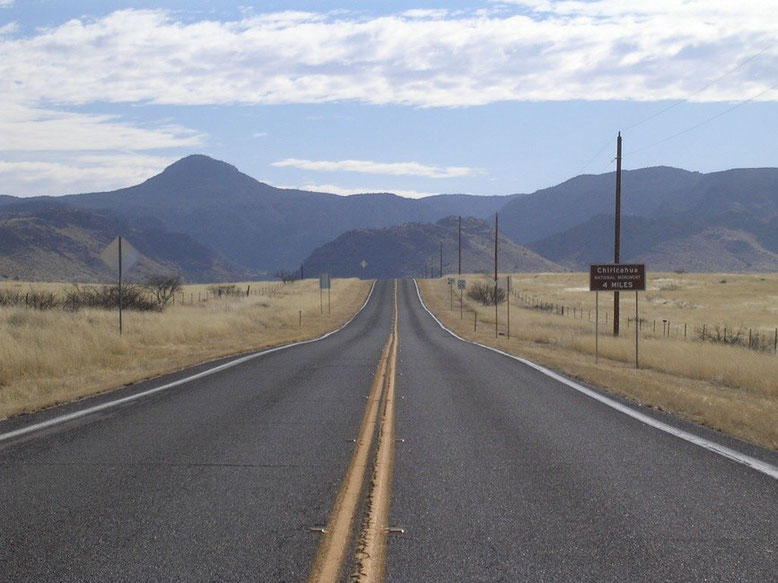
{"points": [[57, 243], [650, 192], [726, 221], [209, 221], [256, 225], [410, 250]]}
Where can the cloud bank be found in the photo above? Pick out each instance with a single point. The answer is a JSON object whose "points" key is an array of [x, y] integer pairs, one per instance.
{"points": [[521, 50], [371, 167], [507, 50]]}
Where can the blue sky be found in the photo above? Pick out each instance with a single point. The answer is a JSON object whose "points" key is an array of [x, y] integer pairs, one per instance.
{"points": [[411, 97]]}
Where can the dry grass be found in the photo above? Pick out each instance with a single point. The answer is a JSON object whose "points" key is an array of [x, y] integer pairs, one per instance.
{"points": [[732, 389], [54, 356]]}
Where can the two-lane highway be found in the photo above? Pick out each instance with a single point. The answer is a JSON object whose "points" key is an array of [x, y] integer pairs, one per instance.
{"points": [[507, 475], [497, 473], [219, 479]]}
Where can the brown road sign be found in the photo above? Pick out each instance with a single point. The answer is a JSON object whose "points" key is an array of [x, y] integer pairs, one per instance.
{"points": [[617, 277]]}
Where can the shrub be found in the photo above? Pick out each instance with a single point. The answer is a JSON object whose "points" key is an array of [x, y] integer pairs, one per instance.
{"points": [[163, 287], [484, 293], [133, 297]]}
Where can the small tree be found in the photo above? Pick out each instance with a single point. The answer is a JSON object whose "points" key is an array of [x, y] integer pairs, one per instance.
{"points": [[163, 287], [285, 276], [484, 293]]}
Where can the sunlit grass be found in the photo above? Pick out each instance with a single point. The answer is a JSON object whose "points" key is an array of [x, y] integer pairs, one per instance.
{"points": [[48, 357], [729, 388]]}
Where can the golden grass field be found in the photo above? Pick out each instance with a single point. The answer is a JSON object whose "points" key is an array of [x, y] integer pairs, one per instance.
{"points": [[54, 356], [728, 388]]}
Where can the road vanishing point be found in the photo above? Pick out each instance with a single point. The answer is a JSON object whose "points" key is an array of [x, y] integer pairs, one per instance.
{"points": [[389, 450]]}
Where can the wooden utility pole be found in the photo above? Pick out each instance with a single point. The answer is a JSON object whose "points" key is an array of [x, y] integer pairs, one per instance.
{"points": [[496, 303], [120, 285], [441, 259], [460, 245], [617, 225]]}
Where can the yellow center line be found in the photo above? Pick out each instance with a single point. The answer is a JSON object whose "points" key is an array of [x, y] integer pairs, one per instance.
{"points": [[337, 534], [371, 554]]}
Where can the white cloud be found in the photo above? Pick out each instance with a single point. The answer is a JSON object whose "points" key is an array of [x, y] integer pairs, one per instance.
{"points": [[538, 50], [79, 173], [259, 134], [343, 191], [38, 129], [370, 167]]}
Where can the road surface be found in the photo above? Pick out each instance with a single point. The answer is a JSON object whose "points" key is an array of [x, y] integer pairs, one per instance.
{"points": [[497, 473]]}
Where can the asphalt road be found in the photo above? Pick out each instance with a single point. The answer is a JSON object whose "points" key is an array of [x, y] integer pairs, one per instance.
{"points": [[507, 475], [503, 475], [215, 480]]}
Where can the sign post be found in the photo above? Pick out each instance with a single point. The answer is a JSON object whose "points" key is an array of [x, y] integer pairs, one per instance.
{"points": [[461, 285], [113, 256], [617, 277], [509, 307], [596, 327], [324, 283]]}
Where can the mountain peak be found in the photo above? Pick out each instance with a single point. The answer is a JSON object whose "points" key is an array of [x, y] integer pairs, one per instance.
{"points": [[196, 167], [201, 175]]}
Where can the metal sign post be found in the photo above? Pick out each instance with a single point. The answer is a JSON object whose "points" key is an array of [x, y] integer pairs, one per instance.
{"points": [[509, 307], [596, 327], [461, 285], [637, 331], [120, 258], [617, 277], [324, 283]]}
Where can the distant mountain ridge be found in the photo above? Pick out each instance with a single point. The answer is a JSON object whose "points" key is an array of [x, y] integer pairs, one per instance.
{"points": [[256, 225], [414, 250], [208, 221], [683, 227], [60, 243]]}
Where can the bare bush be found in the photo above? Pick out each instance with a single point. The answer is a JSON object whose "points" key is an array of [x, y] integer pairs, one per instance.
{"points": [[223, 290], [740, 336], [486, 293], [107, 297], [163, 287], [285, 276]]}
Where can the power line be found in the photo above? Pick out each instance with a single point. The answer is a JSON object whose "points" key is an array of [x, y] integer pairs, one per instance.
{"points": [[685, 100], [702, 123], [716, 80]]}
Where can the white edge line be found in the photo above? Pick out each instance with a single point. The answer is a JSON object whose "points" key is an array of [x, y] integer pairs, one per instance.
{"points": [[727, 452], [205, 373]]}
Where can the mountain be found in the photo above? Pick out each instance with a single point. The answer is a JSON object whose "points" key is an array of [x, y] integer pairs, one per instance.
{"points": [[256, 225], [413, 249], [650, 192], [725, 221], [207, 220], [57, 243]]}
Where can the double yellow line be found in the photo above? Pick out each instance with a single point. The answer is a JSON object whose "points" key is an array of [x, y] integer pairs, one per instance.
{"points": [[370, 548]]}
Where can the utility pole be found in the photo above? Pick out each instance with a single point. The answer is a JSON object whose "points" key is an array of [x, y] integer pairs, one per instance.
{"points": [[496, 303], [441, 259], [617, 224], [120, 285], [460, 245]]}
